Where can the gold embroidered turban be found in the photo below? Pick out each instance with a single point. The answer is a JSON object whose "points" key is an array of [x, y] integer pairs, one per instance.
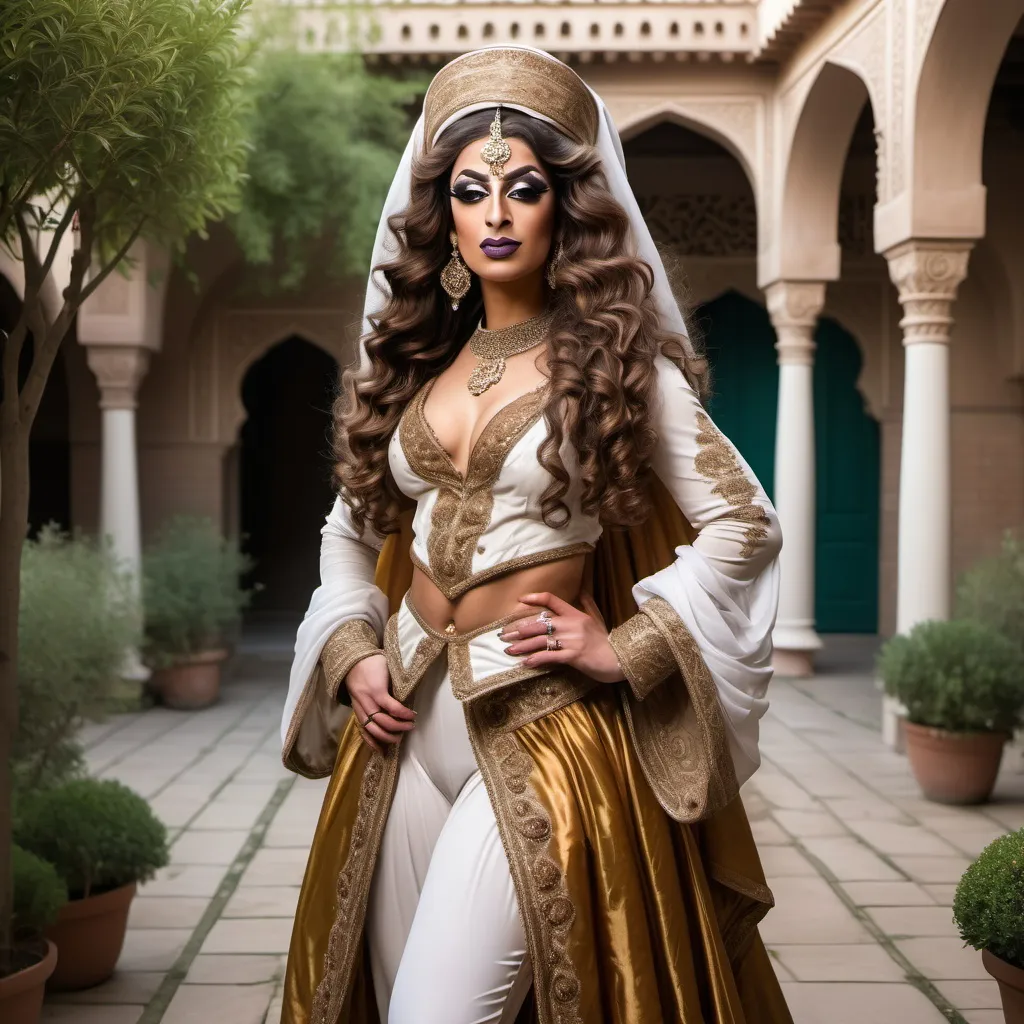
{"points": [[516, 77]]}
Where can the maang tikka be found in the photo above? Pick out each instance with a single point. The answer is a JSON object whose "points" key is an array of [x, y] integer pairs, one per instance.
{"points": [[496, 152]]}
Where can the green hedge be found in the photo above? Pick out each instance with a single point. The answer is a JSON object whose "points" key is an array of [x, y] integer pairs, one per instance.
{"points": [[192, 592], [97, 833], [989, 903], [76, 619], [39, 893], [992, 591], [963, 676]]}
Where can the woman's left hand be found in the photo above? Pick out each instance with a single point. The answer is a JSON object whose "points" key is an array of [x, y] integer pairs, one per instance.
{"points": [[584, 640]]}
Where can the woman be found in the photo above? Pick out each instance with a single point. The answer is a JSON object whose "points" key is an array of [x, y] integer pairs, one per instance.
{"points": [[531, 816]]}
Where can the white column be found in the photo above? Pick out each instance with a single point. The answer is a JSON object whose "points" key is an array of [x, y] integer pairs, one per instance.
{"points": [[927, 274], [119, 370], [794, 308]]}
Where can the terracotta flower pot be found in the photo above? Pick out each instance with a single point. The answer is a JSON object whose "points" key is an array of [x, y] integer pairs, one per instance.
{"points": [[191, 683], [89, 934], [954, 767], [21, 993], [1011, 986]]}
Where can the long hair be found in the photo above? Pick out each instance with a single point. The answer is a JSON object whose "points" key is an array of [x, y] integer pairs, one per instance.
{"points": [[601, 347]]}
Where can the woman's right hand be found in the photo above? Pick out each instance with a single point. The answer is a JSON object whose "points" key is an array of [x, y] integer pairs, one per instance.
{"points": [[368, 684]]}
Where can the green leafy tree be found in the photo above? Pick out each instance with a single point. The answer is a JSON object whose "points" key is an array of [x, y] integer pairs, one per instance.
{"points": [[326, 136], [124, 119]]}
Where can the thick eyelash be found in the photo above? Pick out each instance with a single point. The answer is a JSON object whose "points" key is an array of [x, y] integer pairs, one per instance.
{"points": [[467, 195], [472, 195]]}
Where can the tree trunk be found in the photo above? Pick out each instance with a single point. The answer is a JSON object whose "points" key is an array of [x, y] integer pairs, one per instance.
{"points": [[14, 481]]}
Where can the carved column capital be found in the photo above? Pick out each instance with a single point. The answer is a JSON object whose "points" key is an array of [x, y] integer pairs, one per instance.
{"points": [[794, 308], [927, 274], [119, 370]]}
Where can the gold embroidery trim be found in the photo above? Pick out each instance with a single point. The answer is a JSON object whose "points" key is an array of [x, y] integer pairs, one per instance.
{"points": [[376, 790], [679, 732], [717, 461], [462, 508], [644, 655], [301, 707], [521, 703], [404, 679], [512, 75], [502, 568], [350, 642], [544, 901]]}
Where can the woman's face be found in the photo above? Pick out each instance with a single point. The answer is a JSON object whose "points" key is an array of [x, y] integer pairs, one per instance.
{"points": [[504, 224]]}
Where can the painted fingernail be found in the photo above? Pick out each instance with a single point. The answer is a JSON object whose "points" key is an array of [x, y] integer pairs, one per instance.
{"points": [[508, 650]]}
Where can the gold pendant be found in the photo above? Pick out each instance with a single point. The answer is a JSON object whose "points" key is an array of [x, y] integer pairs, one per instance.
{"points": [[486, 373]]}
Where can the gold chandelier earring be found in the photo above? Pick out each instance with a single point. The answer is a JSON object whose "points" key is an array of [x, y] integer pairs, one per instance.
{"points": [[455, 277], [552, 267]]}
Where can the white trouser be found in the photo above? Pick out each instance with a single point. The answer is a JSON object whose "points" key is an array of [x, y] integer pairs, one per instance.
{"points": [[446, 942]]}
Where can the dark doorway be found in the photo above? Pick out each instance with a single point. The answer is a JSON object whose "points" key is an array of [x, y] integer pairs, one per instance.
{"points": [[285, 472]]}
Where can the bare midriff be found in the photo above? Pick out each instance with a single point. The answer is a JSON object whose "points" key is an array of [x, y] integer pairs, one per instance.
{"points": [[496, 598]]}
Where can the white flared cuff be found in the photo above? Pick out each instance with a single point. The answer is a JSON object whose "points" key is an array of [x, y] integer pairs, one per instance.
{"points": [[731, 621]]}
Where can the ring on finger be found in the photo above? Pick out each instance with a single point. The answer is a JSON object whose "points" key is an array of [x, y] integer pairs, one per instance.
{"points": [[550, 626], [369, 717], [544, 616], [554, 644]]}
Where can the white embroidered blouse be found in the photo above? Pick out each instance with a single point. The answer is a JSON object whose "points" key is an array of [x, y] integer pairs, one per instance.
{"points": [[723, 588]]}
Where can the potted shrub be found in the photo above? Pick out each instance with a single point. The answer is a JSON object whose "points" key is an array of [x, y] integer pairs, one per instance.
{"points": [[989, 911], [76, 620], [992, 590], [962, 683], [103, 839], [192, 596], [39, 893]]}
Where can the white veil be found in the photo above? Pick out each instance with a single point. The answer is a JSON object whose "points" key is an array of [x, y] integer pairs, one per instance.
{"points": [[614, 165]]}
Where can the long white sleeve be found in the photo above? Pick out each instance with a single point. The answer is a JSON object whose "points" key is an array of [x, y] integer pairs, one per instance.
{"points": [[724, 588], [347, 592]]}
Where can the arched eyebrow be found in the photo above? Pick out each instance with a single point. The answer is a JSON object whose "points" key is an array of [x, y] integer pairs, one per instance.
{"points": [[519, 172]]}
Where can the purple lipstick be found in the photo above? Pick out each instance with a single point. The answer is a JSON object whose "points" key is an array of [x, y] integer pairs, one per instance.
{"points": [[499, 248]]}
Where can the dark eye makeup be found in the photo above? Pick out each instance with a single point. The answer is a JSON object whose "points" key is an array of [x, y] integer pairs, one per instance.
{"points": [[528, 189]]}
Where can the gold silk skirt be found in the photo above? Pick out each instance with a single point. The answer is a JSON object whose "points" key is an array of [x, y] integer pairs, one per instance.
{"points": [[632, 917]]}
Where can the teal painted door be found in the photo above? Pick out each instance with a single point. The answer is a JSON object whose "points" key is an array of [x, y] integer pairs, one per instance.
{"points": [[740, 345], [848, 467]]}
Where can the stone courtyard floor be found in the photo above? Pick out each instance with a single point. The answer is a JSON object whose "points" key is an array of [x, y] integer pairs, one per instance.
{"points": [[862, 868]]}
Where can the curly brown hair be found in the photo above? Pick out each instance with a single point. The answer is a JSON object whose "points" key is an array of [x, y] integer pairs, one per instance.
{"points": [[601, 347]]}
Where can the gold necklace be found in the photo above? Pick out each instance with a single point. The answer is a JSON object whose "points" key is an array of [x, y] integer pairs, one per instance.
{"points": [[492, 348]]}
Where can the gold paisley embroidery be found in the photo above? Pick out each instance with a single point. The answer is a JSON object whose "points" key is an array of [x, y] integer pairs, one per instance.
{"points": [[463, 507], [679, 732], [376, 791], [350, 642], [544, 901], [525, 702], [717, 461], [644, 655]]}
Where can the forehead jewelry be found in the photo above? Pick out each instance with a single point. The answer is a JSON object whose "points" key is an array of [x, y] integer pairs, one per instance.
{"points": [[496, 152]]}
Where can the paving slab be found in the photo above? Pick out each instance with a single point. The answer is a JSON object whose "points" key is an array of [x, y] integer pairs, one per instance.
{"points": [[848, 1003], [862, 867], [225, 1004]]}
